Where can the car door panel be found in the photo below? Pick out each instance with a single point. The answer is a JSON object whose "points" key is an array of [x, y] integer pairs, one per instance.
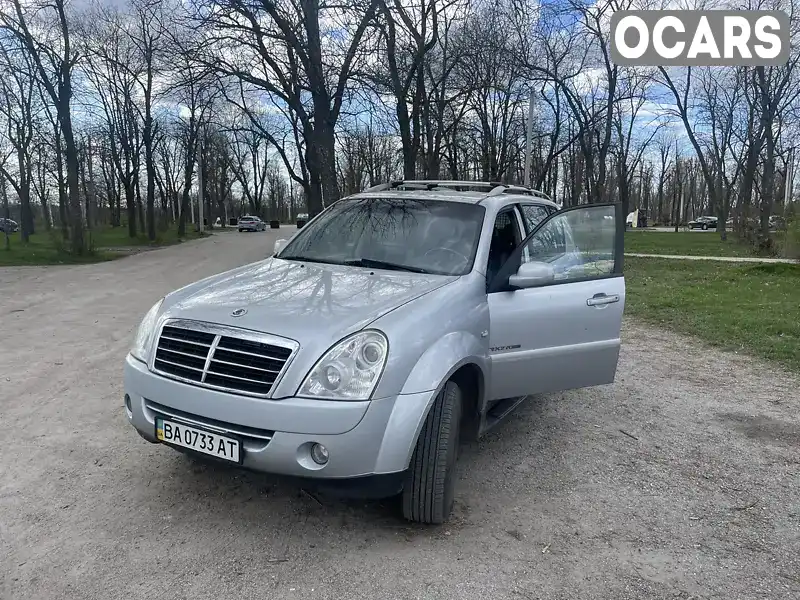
{"points": [[566, 333], [550, 338]]}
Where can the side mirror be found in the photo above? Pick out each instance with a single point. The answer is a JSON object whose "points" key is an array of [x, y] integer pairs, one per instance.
{"points": [[279, 245], [531, 274]]}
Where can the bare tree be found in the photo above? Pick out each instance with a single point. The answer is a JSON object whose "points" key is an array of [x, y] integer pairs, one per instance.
{"points": [[251, 160], [18, 108], [53, 57], [112, 66], [148, 38], [407, 36], [277, 48]]}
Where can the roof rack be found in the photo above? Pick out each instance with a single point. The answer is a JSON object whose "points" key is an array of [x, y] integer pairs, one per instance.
{"points": [[492, 188]]}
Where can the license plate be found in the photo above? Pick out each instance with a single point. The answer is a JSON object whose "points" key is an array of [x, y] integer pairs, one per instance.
{"points": [[198, 440]]}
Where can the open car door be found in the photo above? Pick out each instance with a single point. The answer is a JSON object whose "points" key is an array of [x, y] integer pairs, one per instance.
{"points": [[556, 304]]}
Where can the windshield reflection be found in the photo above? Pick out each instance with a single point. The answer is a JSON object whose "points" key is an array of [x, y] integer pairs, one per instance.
{"points": [[416, 235]]}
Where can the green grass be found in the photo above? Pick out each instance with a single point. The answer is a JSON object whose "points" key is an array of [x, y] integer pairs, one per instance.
{"points": [[41, 250], [747, 308], [47, 249], [110, 237], [684, 243]]}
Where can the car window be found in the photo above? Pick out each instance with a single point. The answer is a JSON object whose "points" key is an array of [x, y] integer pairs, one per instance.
{"points": [[533, 214], [432, 236], [506, 237], [577, 243]]}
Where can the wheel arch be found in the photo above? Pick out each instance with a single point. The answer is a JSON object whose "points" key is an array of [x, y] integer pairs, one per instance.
{"points": [[471, 380], [410, 411]]}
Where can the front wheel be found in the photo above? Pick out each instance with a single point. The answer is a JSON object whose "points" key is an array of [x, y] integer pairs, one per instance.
{"points": [[429, 487], [705, 227]]}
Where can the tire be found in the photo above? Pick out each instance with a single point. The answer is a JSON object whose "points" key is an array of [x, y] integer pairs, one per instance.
{"points": [[430, 483], [705, 227], [241, 230]]}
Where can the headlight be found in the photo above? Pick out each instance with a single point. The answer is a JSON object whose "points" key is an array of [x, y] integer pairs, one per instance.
{"points": [[350, 370], [141, 343]]}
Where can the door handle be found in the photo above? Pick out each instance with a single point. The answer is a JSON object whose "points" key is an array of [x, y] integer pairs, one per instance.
{"points": [[600, 299]]}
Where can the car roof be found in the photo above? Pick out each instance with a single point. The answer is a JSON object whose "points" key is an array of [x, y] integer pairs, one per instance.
{"points": [[448, 196], [448, 191]]}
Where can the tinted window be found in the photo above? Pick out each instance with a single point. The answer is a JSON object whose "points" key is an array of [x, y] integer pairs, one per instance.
{"points": [[505, 238], [434, 236]]}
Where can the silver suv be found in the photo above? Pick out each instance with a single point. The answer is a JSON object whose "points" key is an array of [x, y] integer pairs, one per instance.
{"points": [[395, 323]]}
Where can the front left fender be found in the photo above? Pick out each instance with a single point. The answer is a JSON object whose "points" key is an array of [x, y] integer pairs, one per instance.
{"points": [[434, 368]]}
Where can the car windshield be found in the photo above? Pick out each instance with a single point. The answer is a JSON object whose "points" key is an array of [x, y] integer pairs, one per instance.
{"points": [[404, 234]]}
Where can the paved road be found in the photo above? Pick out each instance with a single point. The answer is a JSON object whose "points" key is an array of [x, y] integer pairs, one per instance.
{"points": [[740, 259], [679, 481]]}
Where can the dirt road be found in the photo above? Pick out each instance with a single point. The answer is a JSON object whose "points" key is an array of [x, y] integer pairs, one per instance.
{"points": [[679, 481]]}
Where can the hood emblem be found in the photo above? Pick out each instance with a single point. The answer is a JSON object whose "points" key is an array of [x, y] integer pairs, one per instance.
{"points": [[239, 312]]}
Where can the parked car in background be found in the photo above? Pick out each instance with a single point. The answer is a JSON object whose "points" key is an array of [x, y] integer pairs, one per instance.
{"points": [[8, 226], [397, 322], [776, 223], [250, 223], [703, 223]]}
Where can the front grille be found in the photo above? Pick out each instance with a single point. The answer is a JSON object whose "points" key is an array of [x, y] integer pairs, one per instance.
{"points": [[221, 358]]}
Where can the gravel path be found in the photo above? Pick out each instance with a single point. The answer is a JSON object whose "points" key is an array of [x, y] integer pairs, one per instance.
{"points": [[679, 481], [741, 259]]}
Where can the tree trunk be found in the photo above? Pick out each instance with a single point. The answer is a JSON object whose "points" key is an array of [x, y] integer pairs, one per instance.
{"points": [[326, 155], [84, 187], [138, 199], [149, 164], [130, 203], [24, 194], [91, 196], [188, 174], [71, 155], [622, 184], [409, 151], [6, 212]]}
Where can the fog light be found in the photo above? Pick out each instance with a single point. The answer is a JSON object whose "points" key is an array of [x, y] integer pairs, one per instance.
{"points": [[319, 454], [128, 405]]}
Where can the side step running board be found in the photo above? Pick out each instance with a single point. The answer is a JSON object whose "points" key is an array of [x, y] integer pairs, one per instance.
{"points": [[499, 411]]}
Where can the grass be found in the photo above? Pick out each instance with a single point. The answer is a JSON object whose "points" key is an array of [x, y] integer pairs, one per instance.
{"points": [[110, 237], [684, 243], [753, 308], [47, 249], [41, 250]]}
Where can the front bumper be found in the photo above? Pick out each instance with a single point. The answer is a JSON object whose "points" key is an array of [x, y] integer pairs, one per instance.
{"points": [[364, 439]]}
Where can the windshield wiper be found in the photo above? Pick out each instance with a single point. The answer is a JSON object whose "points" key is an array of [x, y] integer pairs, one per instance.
{"points": [[382, 264], [359, 262], [311, 259]]}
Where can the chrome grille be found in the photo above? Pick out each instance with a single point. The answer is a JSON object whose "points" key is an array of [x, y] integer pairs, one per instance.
{"points": [[221, 357]]}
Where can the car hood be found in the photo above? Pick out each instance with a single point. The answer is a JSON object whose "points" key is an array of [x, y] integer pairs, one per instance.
{"points": [[300, 301]]}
